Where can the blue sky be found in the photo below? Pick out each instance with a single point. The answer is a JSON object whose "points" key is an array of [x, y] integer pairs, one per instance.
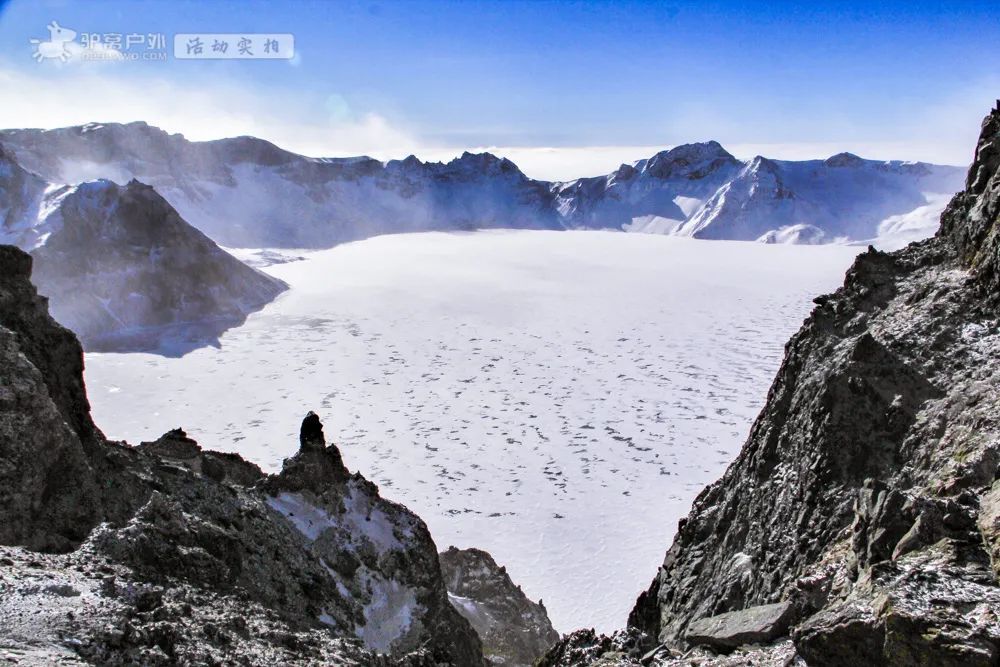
{"points": [[558, 86]]}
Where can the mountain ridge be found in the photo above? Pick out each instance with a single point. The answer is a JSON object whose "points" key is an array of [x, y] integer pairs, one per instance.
{"points": [[231, 189]]}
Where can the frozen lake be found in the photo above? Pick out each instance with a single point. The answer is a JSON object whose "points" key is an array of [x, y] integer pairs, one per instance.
{"points": [[556, 398]]}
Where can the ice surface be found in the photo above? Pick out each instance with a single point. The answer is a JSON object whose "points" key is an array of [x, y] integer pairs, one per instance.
{"points": [[556, 398]]}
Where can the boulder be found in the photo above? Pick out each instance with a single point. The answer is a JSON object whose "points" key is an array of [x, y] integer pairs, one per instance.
{"points": [[754, 625]]}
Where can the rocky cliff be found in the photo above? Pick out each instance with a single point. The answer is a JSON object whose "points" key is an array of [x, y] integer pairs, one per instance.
{"points": [[515, 631], [167, 553], [859, 524]]}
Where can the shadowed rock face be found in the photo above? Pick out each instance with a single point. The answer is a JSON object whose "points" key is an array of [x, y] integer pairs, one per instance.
{"points": [[188, 555], [48, 488], [22, 194], [863, 498], [515, 631], [121, 267]]}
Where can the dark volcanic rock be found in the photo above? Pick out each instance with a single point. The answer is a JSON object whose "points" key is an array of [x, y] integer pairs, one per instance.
{"points": [[582, 647], [315, 466], [515, 631], [52, 349], [857, 495], [72, 610], [191, 556], [174, 444], [176, 447], [754, 625], [377, 552], [48, 488], [311, 433]]}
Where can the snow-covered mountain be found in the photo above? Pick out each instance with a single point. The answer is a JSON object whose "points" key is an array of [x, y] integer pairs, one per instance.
{"points": [[119, 264], [653, 195], [247, 192], [817, 200]]}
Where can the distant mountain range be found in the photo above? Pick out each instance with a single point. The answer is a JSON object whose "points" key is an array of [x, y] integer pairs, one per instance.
{"points": [[136, 266], [247, 192]]}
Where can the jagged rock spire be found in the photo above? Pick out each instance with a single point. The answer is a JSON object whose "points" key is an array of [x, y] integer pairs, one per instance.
{"points": [[316, 467], [970, 221], [311, 433]]}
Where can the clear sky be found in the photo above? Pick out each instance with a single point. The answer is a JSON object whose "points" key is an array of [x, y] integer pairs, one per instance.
{"points": [[564, 88]]}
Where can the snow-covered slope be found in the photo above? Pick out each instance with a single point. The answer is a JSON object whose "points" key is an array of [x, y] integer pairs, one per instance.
{"points": [[841, 198], [26, 201], [120, 267], [523, 391], [668, 186], [247, 192]]}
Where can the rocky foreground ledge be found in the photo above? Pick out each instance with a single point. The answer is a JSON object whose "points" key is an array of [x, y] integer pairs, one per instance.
{"points": [[860, 524], [166, 553]]}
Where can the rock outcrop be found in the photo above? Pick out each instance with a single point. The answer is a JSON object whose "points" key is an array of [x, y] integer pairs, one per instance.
{"points": [[515, 631], [754, 625], [167, 553], [863, 501], [49, 496], [377, 553]]}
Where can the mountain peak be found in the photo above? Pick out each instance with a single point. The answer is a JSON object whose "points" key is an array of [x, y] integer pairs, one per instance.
{"points": [[485, 162], [689, 160], [710, 148], [761, 163], [844, 159]]}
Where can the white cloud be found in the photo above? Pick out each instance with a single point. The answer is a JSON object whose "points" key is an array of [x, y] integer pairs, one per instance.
{"points": [[74, 96], [323, 124]]}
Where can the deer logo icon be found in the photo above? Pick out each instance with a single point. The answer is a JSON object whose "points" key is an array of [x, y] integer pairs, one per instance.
{"points": [[56, 46]]}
